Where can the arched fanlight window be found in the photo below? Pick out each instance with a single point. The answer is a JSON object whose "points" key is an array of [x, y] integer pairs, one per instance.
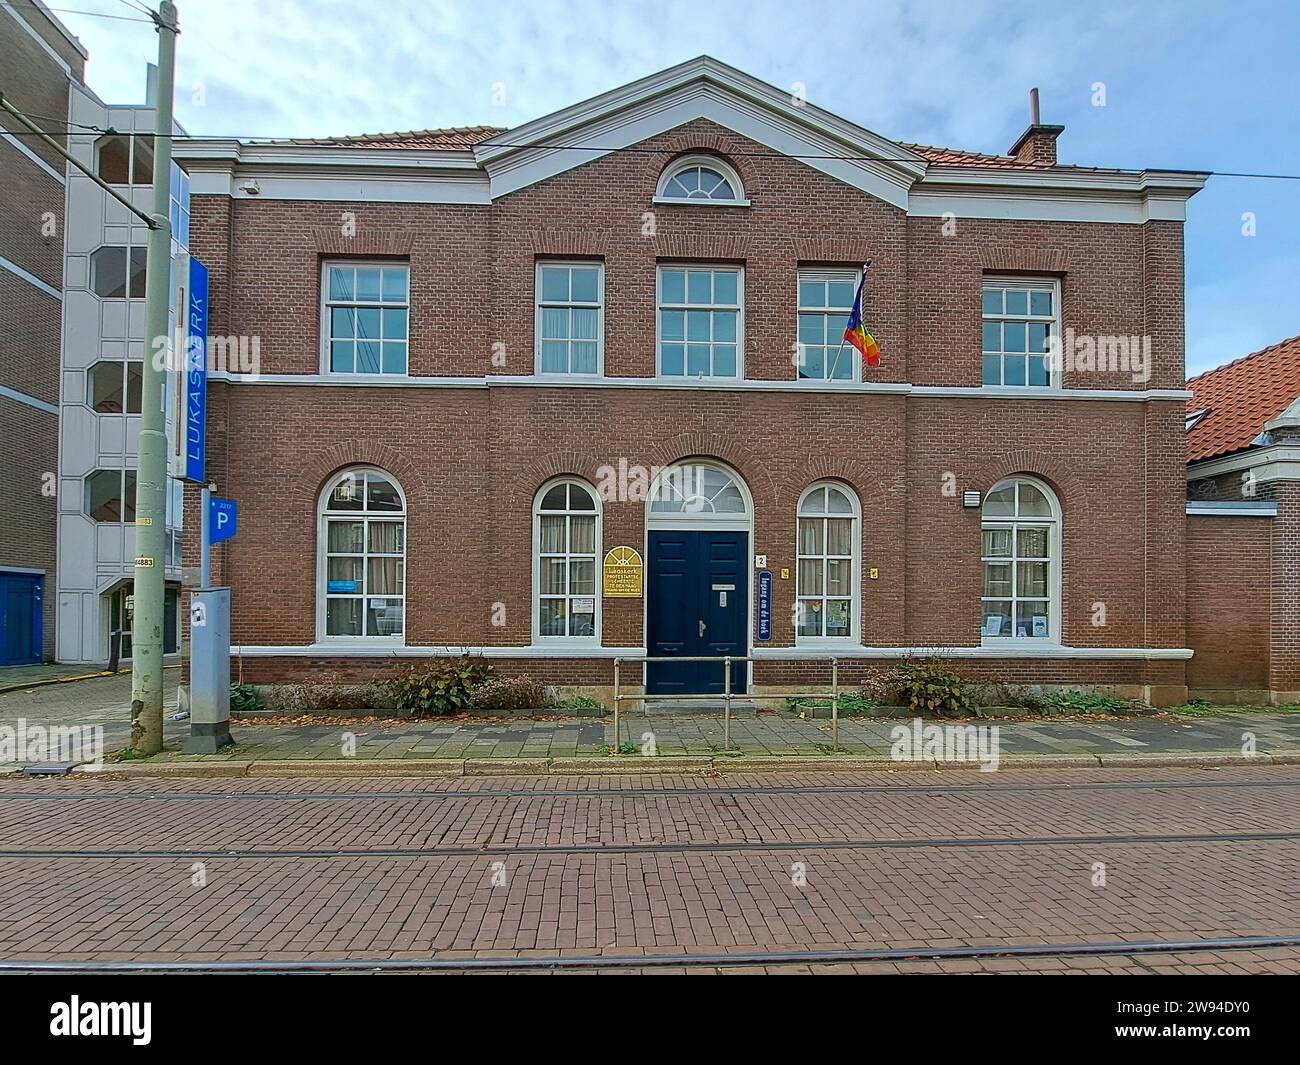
{"points": [[1021, 531], [828, 561], [362, 557], [566, 542], [697, 488], [702, 179]]}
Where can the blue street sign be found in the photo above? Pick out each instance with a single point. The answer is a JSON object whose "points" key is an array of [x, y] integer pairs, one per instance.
{"points": [[196, 373], [223, 518], [765, 605]]}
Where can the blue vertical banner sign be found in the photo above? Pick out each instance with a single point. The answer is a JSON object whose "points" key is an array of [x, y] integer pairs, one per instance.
{"points": [[765, 605], [196, 372]]}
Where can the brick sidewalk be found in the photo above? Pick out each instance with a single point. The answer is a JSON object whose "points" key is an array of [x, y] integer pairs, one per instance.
{"points": [[767, 735], [700, 736]]}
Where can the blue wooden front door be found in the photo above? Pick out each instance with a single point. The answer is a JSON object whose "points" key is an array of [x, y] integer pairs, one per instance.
{"points": [[20, 618], [698, 605]]}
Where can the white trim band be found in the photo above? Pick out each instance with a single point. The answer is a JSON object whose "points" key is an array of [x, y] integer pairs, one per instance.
{"points": [[31, 279], [1215, 509], [704, 384], [31, 401], [774, 654], [343, 649]]}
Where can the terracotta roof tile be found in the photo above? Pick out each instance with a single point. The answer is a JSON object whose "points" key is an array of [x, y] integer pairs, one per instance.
{"points": [[457, 137], [957, 157], [1241, 397]]}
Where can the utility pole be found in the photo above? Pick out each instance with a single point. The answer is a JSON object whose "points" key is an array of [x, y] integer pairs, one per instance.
{"points": [[152, 467]]}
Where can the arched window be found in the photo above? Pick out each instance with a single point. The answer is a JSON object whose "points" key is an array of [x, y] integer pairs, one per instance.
{"points": [[697, 488], [827, 585], [566, 538], [700, 179], [362, 557], [1021, 529]]}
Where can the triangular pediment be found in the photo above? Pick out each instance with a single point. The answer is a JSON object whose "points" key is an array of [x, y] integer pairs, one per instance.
{"points": [[701, 88]]}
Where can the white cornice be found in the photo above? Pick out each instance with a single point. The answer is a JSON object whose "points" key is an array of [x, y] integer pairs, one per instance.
{"points": [[1277, 462], [1226, 509], [701, 88]]}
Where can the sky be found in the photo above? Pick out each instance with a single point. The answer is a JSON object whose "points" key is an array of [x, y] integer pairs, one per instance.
{"points": [[1196, 84]]}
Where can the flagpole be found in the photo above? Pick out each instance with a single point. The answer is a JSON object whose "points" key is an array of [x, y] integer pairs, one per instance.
{"points": [[836, 364]]}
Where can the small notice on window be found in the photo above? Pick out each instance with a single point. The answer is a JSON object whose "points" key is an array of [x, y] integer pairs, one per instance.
{"points": [[585, 605]]}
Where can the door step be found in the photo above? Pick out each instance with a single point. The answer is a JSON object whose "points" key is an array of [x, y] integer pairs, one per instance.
{"points": [[701, 707]]}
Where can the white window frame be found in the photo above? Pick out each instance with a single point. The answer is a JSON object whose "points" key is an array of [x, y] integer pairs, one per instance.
{"points": [[1053, 526], [739, 308], [326, 304], [1049, 284], [853, 355], [855, 566], [599, 307], [323, 516], [598, 555], [712, 162]]}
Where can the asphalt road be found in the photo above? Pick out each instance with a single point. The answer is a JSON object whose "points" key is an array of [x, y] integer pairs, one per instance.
{"points": [[926, 871]]}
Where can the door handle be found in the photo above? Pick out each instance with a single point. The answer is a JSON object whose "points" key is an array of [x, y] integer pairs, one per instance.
{"points": [[702, 628]]}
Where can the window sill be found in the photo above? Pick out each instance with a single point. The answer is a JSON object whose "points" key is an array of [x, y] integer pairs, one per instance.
{"points": [[1020, 643], [669, 202]]}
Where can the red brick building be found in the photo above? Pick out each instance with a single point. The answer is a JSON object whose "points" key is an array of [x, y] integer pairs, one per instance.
{"points": [[490, 358], [1243, 528]]}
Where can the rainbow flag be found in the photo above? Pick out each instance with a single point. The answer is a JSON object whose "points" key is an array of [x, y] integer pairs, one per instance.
{"points": [[856, 332]]}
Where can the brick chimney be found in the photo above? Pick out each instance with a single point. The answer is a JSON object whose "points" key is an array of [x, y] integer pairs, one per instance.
{"points": [[1038, 143]]}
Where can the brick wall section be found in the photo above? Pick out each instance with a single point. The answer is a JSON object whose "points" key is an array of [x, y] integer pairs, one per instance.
{"points": [[1229, 575], [29, 317], [471, 460], [1284, 646], [28, 445]]}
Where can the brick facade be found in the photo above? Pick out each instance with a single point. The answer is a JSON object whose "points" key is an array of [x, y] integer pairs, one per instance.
{"points": [[31, 239], [471, 458]]}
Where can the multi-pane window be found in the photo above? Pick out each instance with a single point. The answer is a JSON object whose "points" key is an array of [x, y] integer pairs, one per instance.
{"points": [[827, 557], [699, 321], [366, 310], [118, 272], [114, 387], [569, 328], [363, 557], [110, 495], [1020, 319], [700, 180], [568, 544], [825, 301], [1021, 538]]}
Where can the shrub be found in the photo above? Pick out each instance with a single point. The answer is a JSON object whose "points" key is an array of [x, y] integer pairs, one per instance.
{"points": [[440, 687], [511, 693], [1082, 703], [306, 698], [245, 697], [578, 702], [929, 687]]}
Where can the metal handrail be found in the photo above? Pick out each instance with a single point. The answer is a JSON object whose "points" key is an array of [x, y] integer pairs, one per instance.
{"points": [[727, 696]]}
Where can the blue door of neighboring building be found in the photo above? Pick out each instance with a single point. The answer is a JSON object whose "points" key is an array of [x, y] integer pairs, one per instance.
{"points": [[697, 605], [20, 618]]}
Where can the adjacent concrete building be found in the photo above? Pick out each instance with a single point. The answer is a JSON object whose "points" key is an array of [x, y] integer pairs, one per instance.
{"points": [[103, 351]]}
